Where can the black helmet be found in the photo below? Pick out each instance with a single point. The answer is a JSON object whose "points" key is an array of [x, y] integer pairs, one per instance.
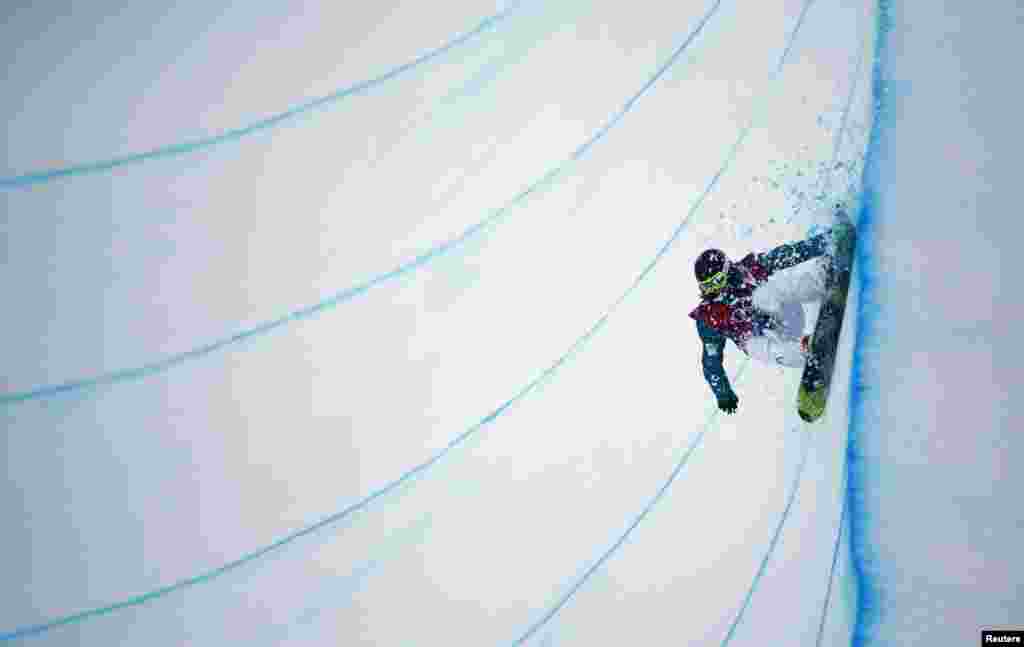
{"points": [[711, 269], [709, 263]]}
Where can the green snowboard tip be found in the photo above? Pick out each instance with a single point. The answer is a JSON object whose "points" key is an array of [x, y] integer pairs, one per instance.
{"points": [[811, 404]]}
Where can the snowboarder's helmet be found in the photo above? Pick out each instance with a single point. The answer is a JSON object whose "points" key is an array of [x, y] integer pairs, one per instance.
{"points": [[711, 269]]}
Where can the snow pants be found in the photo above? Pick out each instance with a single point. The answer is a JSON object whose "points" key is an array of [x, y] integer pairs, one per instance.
{"points": [[783, 296]]}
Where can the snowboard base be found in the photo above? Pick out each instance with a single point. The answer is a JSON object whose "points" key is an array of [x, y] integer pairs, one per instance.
{"points": [[816, 380]]}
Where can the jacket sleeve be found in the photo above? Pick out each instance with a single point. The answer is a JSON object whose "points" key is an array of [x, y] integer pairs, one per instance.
{"points": [[790, 254], [713, 344]]}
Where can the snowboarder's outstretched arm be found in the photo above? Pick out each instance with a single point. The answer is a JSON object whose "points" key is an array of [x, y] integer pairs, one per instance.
{"points": [[713, 344], [790, 254]]}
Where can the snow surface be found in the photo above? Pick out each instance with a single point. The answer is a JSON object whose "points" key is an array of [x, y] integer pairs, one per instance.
{"points": [[493, 434], [937, 430]]}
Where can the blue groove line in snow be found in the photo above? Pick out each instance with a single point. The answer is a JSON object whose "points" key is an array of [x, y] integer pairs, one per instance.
{"points": [[835, 551], [407, 476], [855, 83], [864, 406], [350, 293], [561, 602], [832, 569], [796, 484], [555, 608], [195, 145], [339, 591], [771, 546]]}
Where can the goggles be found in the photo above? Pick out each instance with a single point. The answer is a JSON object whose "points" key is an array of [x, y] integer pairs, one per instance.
{"points": [[714, 283]]}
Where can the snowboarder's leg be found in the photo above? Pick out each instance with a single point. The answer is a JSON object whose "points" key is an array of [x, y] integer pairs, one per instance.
{"points": [[782, 295], [791, 321], [805, 283], [771, 348]]}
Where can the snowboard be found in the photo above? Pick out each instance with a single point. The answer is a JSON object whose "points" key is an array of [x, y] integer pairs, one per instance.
{"points": [[816, 380]]}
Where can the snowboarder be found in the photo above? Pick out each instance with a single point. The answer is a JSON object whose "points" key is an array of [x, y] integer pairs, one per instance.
{"points": [[764, 318]]}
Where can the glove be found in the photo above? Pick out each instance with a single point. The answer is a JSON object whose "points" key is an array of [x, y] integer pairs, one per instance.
{"points": [[728, 403]]}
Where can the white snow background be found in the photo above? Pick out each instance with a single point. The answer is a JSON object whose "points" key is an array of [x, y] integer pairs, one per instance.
{"points": [[555, 514]]}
